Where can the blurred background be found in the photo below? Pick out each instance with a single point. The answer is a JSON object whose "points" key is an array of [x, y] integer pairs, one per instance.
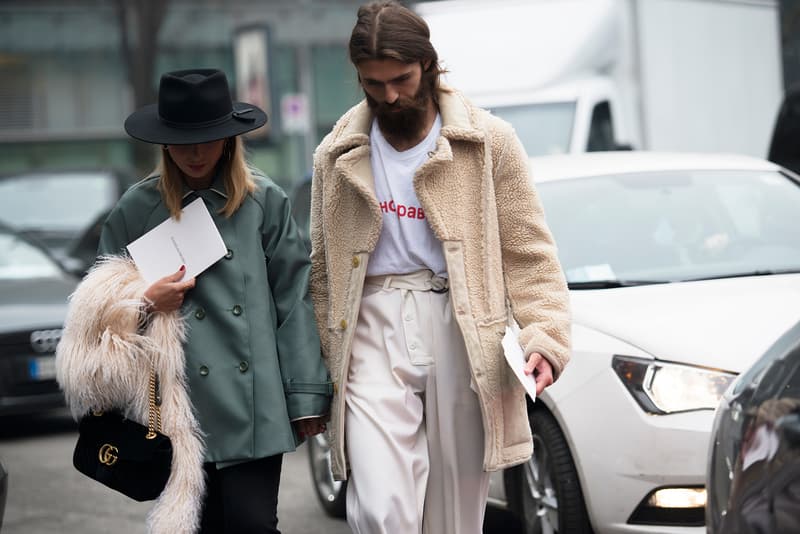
{"points": [[72, 70]]}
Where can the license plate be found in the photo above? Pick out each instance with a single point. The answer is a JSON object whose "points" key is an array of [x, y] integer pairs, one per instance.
{"points": [[42, 368]]}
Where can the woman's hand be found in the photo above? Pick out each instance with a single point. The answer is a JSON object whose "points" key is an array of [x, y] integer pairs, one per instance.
{"points": [[166, 295], [310, 427]]}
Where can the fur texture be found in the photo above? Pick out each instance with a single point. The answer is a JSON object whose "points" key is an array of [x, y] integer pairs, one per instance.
{"points": [[103, 361]]}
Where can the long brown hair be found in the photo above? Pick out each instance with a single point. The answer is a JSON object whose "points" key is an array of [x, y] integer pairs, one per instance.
{"points": [[233, 166], [389, 30]]}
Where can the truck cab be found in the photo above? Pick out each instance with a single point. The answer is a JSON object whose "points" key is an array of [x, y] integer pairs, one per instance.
{"points": [[573, 117], [577, 76]]}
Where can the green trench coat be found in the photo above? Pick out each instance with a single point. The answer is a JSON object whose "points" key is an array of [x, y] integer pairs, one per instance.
{"points": [[252, 350]]}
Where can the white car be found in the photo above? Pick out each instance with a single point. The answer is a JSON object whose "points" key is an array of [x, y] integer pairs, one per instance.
{"points": [[683, 269]]}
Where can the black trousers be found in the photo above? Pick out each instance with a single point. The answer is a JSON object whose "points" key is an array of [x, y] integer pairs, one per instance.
{"points": [[242, 499]]}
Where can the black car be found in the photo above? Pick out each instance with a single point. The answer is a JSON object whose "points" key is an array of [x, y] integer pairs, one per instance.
{"points": [[3, 492], [58, 208], [754, 463], [33, 304]]}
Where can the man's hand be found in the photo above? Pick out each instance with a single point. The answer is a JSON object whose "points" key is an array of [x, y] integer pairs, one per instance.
{"points": [[542, 371], [166, 295], [310, 427]]}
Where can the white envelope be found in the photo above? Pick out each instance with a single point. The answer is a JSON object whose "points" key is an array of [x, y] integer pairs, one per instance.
{"points": [[194, 241], [516, 360]]}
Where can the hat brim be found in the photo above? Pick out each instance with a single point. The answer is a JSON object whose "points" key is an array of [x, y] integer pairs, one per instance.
{"points": [[145, 125]]}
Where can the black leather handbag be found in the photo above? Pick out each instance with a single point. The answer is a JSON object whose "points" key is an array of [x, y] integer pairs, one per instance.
{"points": [[124, 455]]}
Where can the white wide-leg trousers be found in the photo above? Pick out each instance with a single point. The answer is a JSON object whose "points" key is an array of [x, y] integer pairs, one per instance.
{"points": [[413, 427]]}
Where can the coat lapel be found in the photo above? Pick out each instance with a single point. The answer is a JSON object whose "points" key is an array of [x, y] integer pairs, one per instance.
{"points": [[354, 183]]}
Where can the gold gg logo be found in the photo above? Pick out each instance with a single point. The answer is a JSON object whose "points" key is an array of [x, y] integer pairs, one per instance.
{"points": [[108, 455]]}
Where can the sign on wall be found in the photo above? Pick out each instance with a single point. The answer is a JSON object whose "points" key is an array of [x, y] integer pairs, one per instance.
{"points": [[252, 62]]}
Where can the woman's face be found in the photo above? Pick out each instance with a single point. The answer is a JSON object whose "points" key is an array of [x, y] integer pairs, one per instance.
{"points": [[197, 162]]}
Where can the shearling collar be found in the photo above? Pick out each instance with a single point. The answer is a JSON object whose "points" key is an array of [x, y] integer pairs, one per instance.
{"points": [[458, 122]]}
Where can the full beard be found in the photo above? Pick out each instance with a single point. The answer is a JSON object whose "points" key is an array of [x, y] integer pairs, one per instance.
{"points": [[405, 118]]}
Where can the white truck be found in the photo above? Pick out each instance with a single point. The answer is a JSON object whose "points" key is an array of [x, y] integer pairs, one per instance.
{"points": [[585, 75]]}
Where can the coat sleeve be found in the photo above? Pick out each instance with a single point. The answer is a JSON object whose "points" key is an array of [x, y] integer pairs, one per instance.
{"points": [[305, 378], [114, 236], [536, 288], [319, 267]]}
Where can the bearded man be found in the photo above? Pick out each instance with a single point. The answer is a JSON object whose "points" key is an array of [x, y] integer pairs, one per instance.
{"points": [[427, 239]]}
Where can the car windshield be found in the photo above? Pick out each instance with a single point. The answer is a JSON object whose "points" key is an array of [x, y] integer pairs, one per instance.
{"points": [[544, 129], [673, 226], [20, 259], [55, 202]]}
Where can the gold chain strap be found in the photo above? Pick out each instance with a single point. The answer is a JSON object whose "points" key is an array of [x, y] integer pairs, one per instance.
{"points": [[153, 408]]}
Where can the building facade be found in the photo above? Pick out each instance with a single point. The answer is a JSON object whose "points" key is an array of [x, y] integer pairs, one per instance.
{"points": [[65, 90]]}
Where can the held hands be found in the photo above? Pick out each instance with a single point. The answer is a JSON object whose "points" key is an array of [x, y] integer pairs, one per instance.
{"points": [[542, 371], [166, 295], [310, 427]]}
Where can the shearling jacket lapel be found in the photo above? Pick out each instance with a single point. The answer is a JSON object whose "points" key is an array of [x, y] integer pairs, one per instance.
{"points": [[353, 172], [355, 182]]}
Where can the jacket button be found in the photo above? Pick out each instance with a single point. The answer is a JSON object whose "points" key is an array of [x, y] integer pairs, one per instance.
{"points": [[243, 366], [335, 387], [203, 370], [200, 314], [229, 254], [356, 261], [343, 324], [237, 310]]}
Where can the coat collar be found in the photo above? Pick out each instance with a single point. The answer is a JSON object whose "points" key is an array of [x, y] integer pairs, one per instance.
{"points": [[458, 122], [217, 186]]}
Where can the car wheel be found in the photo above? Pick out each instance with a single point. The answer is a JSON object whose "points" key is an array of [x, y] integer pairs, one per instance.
{"points": [[545, 491], [331, 493]]}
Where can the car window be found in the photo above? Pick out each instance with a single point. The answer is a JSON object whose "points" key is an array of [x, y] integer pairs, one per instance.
{"points": [[19, 259], [61, 202], [542, 128], [670, 226]]}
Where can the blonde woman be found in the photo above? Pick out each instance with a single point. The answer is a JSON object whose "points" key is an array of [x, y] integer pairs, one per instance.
{"points": [[251, 382]]}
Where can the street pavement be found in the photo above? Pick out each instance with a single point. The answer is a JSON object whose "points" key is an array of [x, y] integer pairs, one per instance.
{"points": [[48, 496]]}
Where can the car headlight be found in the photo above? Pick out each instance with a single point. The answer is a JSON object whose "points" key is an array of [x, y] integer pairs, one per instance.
{"points": [[662, 388]]}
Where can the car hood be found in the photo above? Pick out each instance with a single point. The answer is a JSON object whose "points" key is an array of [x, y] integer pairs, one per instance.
{"points": [[34, 303], [724, 324]]}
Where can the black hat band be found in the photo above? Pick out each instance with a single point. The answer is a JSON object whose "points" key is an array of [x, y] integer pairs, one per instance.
{"points": [[214, 122]]}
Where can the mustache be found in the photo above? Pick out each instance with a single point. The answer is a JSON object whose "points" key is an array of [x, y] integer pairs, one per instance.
{"points": [[414, 104]]}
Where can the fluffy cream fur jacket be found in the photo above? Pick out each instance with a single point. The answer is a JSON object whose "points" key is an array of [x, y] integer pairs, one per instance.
{"points": [[103, 361]]}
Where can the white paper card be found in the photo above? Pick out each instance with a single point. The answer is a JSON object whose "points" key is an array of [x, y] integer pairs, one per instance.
{"points": [[194, 241], [516, 360]]}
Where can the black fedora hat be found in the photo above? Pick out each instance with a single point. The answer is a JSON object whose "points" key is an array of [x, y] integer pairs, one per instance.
{"points": [[194, 106]]}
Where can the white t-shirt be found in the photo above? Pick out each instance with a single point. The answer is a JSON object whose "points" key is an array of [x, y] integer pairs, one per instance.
{"points": [[406, 243]]}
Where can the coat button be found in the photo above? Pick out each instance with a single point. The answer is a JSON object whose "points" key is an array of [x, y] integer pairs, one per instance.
{"points": [[229, 254], [237, 310], [203, 370], [356, 261], [200, 314], [335, 387], [243, 366], [343, 324]]}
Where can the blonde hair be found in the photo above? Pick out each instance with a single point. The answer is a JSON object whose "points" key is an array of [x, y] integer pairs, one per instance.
{"points": [[232, 164]]}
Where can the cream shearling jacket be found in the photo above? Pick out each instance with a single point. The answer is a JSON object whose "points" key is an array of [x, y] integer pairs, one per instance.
{"points": [[477, 196], [103, 361]]}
